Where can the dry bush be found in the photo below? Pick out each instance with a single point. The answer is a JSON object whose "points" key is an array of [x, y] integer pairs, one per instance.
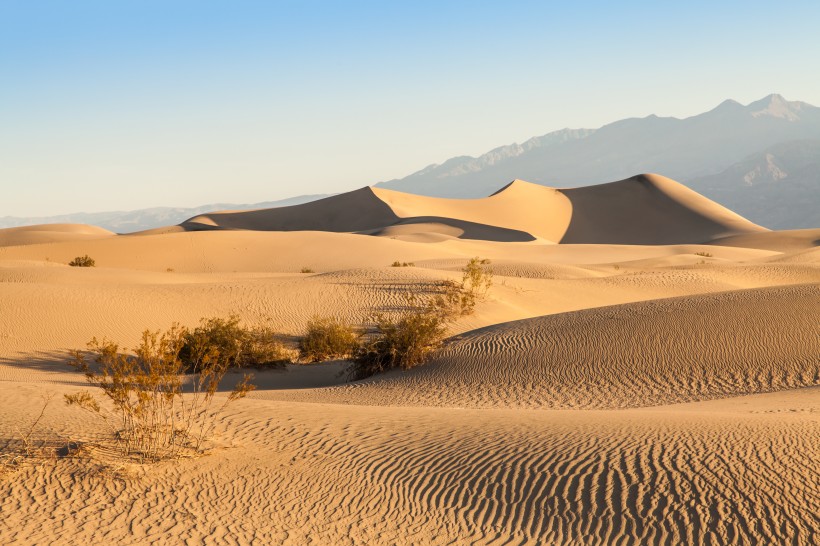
{"points": [[459, 299], [704, 254], [264, 348], [306, 270], [22, 447], [150, 419], [402, 342], [476, 280], [82, 261], [402, 264], [407, 340], [239, 345], [327, 338]]}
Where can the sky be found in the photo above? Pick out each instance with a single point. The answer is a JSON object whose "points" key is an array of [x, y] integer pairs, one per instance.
{"points": [[138, 103]]}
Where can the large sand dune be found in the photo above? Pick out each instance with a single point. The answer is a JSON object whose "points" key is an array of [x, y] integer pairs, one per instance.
{"points": [[645, 209], [661, 390]]}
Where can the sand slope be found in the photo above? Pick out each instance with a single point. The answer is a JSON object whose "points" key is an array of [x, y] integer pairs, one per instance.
{"points": [[648, 209], [352, 211], [632, 355]]}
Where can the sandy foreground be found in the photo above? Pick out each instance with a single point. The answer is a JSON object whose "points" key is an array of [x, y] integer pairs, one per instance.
{"points": [[605, 393]]}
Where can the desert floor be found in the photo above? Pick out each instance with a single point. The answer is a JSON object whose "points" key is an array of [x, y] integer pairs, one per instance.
{"points": [[603, 394]]}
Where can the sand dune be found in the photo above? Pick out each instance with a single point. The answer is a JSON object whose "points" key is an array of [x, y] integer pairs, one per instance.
{"points": [[645, 209], [50, 233], [783, 241], [633, 355], [648, 209]]}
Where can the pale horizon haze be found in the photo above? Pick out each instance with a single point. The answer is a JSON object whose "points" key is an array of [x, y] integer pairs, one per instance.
{"points": [[127, 105]]}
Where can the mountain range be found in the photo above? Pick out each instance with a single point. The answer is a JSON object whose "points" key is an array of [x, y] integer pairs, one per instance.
{"points": [[143, 219], [759, 160]]}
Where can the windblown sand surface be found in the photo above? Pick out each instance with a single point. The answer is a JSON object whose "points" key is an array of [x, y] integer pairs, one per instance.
{"points": [[620, 387]]}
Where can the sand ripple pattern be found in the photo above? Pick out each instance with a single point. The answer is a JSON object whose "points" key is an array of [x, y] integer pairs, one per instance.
{"points": [[313, 474]]}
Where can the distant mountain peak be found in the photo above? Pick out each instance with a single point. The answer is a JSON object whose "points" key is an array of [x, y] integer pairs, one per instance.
{"points": [[728, 105], [777, 107]]}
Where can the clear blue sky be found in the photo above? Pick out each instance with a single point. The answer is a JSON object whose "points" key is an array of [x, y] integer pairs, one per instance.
{"points": [[121, 104]]}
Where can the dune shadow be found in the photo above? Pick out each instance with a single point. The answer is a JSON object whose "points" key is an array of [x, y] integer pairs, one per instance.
{"points": [[288, 377], [461, 229]]}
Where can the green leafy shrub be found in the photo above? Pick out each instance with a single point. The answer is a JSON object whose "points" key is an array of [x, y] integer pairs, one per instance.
{"points": [[82, 261], [327, 338]]}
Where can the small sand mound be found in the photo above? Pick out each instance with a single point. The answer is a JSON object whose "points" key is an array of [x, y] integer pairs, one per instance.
{"points": [[791, 240], [50, 233]]}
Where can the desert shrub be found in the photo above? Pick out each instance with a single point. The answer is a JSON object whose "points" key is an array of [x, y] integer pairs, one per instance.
{"points": [[459, 299], [82, 261], [477, 278], [264, 348], [222, 335], [151, 419], [704, 254], [326, 338], [409, 338], [237, 345], [402, 264], [306, 270], [403, 342]]}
